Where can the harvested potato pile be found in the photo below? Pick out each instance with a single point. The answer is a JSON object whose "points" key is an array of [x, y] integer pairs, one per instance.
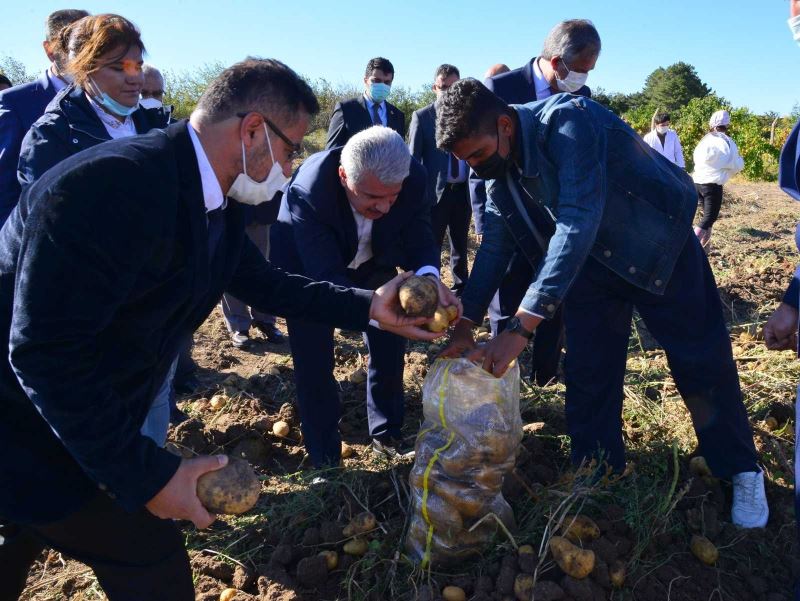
{"points": [[233, 489]]}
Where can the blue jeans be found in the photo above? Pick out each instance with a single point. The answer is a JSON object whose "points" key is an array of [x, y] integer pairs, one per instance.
{"points": [[156, 423]]}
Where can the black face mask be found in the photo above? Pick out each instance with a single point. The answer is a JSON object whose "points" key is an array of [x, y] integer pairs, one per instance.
{"points": [[495, 166]]}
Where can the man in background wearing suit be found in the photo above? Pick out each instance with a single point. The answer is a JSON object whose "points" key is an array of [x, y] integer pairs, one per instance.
{"points": [[350, 216], [570, 51], [108, 261], [446, 188], [354, 115], [21, 105]]}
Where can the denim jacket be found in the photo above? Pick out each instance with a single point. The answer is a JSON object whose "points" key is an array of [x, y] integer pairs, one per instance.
{"points": [[610, 195]]}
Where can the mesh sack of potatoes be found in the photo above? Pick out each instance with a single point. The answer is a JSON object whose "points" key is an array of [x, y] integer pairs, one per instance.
{"points": [[467, 444]]}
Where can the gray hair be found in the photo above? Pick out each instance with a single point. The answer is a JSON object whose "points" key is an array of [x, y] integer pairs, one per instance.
{"points": [[148, 69], [572, 39], [378, 150]]}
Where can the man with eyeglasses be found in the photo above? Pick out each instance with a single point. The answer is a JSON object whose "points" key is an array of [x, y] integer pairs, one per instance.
{"points": [[108, 261], [446, 186]]}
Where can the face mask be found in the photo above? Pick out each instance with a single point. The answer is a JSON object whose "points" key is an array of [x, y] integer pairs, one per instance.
{"points": [[109, 103], [250, 192], [794, 26], [662, 129], [379, 92], [150, 103], [495, 166], [573, 82]]}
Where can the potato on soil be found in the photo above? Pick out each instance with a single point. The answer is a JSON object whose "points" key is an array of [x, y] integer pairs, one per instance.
{"points": [[363, 522], [331, 559], [699, 467], [574, 561], [357, 546], [227, 594], [281, 429], [704, 550], [453, 593], [616, 573], [523, 587], [580, 529], [233, 489], [217, 402], [419, 296]]}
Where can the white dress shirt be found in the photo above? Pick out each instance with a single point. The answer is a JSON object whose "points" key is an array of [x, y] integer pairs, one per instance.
{"points": [[55, 81], [541, 85], [212, 191], [381, 109], [115, 128]]}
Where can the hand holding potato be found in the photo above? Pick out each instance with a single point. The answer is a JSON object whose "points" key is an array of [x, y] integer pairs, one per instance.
{"points": [[178, 499], [386, 310]]}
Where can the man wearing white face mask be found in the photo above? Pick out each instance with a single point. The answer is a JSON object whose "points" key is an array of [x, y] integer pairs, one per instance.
{"points": [[153, 91], [665, 141]]}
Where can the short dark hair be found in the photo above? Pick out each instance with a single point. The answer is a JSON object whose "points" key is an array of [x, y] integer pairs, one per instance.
{"points": [[58, 20], [379, 63], [467, 108], [261, 85], [662, 118], [446, 71], [5, 80]]}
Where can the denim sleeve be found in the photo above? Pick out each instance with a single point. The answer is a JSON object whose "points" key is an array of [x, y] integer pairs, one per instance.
{"points": [[491, 262], [572, 144]]}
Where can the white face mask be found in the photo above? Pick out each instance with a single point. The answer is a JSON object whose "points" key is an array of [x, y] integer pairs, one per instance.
{"points": [[573, 82], [794, 25], [250, 192], [150, 103], [662, 129]]}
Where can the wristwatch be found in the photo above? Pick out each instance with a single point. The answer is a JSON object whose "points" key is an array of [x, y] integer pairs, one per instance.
{"points": [[515, 325]]}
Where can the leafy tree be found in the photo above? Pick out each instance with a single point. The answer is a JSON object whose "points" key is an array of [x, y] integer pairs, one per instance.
{"points": [[616, 102], [183, 89], [674, 87], [15, 70]]}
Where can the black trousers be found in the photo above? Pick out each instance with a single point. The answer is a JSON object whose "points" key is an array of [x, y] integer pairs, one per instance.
{"points": [[709, 196], [452, 213], [135, 556]]}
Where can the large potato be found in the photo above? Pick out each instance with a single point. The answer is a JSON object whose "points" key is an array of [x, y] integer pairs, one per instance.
{"points": [[419, 296], [233, 489], [580, 529], [574, 561], [704, 550]]}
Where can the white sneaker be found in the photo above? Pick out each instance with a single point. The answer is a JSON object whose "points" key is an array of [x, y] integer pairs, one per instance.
{"points": [[750, 508]]}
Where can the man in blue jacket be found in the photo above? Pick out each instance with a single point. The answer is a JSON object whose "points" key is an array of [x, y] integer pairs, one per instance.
{"points": [[350, 216], [605, 223], [21, 105], [109, 260]]}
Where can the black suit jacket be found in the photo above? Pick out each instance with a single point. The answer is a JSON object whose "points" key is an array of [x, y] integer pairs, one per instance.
{"points": [[422, 143], [104, 269], [316, 232], [351, 116]]}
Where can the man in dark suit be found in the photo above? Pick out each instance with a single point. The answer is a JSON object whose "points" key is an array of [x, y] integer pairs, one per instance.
{"points": [[446, 190], [352, 116], [350, 216], [106, 264], [570, 51], [21, 105]]}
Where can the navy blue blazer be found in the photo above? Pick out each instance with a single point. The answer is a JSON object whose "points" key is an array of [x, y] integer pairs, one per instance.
{"points": [[20, 106], [514, 87], [422, 143], [104, 270], [316, 232], [351, 116]]}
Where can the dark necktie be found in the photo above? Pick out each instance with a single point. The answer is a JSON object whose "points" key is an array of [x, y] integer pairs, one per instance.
{"points": [[454, 167], [216, 228], [376, 118]]}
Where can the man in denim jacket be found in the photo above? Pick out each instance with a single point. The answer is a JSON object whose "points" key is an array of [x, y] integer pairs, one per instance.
{"points": [[605, 221]]}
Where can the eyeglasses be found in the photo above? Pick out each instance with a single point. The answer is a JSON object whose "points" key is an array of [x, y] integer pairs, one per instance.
{"points": [[297, 149]]}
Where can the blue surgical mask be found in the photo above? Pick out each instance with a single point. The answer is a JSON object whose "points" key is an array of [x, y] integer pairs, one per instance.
{"points": [[379, 92], [109, 103], [794, 25]]}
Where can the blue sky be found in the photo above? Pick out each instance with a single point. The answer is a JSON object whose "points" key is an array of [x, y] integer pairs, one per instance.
{"points": [[741, 48]]}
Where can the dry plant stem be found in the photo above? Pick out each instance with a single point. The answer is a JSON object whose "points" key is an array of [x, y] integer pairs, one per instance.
{"points": [[228, 557], [363, 506]]}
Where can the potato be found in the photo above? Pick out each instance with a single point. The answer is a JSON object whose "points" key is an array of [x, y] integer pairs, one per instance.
{"points": [[347, 450], [771, 423], [217, 402], [363, 522], [233, 489], [331, 559], [228, 594], [419, 296], [523, 587], [580, 529], [358, 376], [616, 573], [452, 312], [281, 429], [357, 546], [453, 593], [704, 550], [440, 320], [699, 467], [574, 561]]}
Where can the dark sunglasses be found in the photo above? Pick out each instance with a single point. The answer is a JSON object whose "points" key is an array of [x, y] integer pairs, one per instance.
{"points": [[297, 149]]}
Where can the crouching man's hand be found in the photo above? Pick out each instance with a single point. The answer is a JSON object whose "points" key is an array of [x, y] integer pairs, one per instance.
{"points": [[780, 331], [178, 499]]}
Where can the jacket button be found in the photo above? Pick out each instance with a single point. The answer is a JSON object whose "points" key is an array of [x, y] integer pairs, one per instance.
{"points": [[631, 270], [550, 308], [74, 140], [658, 283], [607, 254], [102, 486]]}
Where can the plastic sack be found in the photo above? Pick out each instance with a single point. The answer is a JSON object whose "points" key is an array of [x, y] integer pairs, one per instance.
{"points": [[467, 444]]}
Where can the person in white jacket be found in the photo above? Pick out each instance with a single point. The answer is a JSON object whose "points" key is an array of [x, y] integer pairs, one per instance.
{"points": [[664, 140], [716, 160]]}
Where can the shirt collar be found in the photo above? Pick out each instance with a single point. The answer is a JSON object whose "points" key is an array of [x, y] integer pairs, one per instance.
{"points": [[212, 191], [57, 83], [370, 104], [541, 85]]}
